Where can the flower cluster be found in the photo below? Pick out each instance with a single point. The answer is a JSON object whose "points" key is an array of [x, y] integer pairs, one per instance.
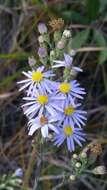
{"points": [[52, 101]]}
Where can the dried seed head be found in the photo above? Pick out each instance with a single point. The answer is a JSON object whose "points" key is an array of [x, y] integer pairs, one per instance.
{"points": [[57, 24], [95, 148]]}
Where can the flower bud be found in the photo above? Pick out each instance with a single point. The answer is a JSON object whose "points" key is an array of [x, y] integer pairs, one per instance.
{"points": [[50, 136], [40, 39], [67, 33], [73, 73], [72, 177], [73, 52], [31, 61], [42, 52], [42, 28], [99, 170], [83, 155], [60, 45], [75, 156], [78, 165], [52, 53]]}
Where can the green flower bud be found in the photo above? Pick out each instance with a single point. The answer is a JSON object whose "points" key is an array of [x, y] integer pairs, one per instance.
{"points": [[78, 165], [67, 33], [72, 177], [61, 44], [99, 170], [40, 39], [83, 155], [75, 156]]}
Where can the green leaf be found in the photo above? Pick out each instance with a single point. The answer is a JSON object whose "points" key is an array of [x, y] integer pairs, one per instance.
{"points": [[103, 5], [79, 40], [18, 56], [75, 16], [92, 9], [101, 42]]}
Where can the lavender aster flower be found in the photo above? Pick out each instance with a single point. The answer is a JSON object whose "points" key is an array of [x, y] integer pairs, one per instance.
{"points": [[42, 102], [72, 114], [70, 90], [67, 63], [42, 52], [44, 123], [19, 172], [42, 28], [37, 79], [71, 134]]}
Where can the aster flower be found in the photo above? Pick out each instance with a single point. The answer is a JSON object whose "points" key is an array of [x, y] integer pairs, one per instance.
{"points": [[71, 134], [70, 90], [42, 102], [37, 79], [44, 123], [72, 114], [67, 63], [19, 172]]}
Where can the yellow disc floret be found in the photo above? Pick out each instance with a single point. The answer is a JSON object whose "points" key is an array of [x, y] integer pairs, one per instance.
{"points": [[37, 76], [64, 87], [69, 110], [68, 130], [42, 99]]}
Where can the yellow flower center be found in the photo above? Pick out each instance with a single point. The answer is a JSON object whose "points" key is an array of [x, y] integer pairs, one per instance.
{"points": [[43, 120], [64, 87], [68, 130], [37, 76], [42, 99], [69, 110]]}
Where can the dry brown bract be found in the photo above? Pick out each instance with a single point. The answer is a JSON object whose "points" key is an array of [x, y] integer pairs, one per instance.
{"points": [[57, 24], [95, 148]]}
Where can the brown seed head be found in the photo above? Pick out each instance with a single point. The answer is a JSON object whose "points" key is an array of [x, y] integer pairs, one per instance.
{"points": [[95, 148], [57, 24]]}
